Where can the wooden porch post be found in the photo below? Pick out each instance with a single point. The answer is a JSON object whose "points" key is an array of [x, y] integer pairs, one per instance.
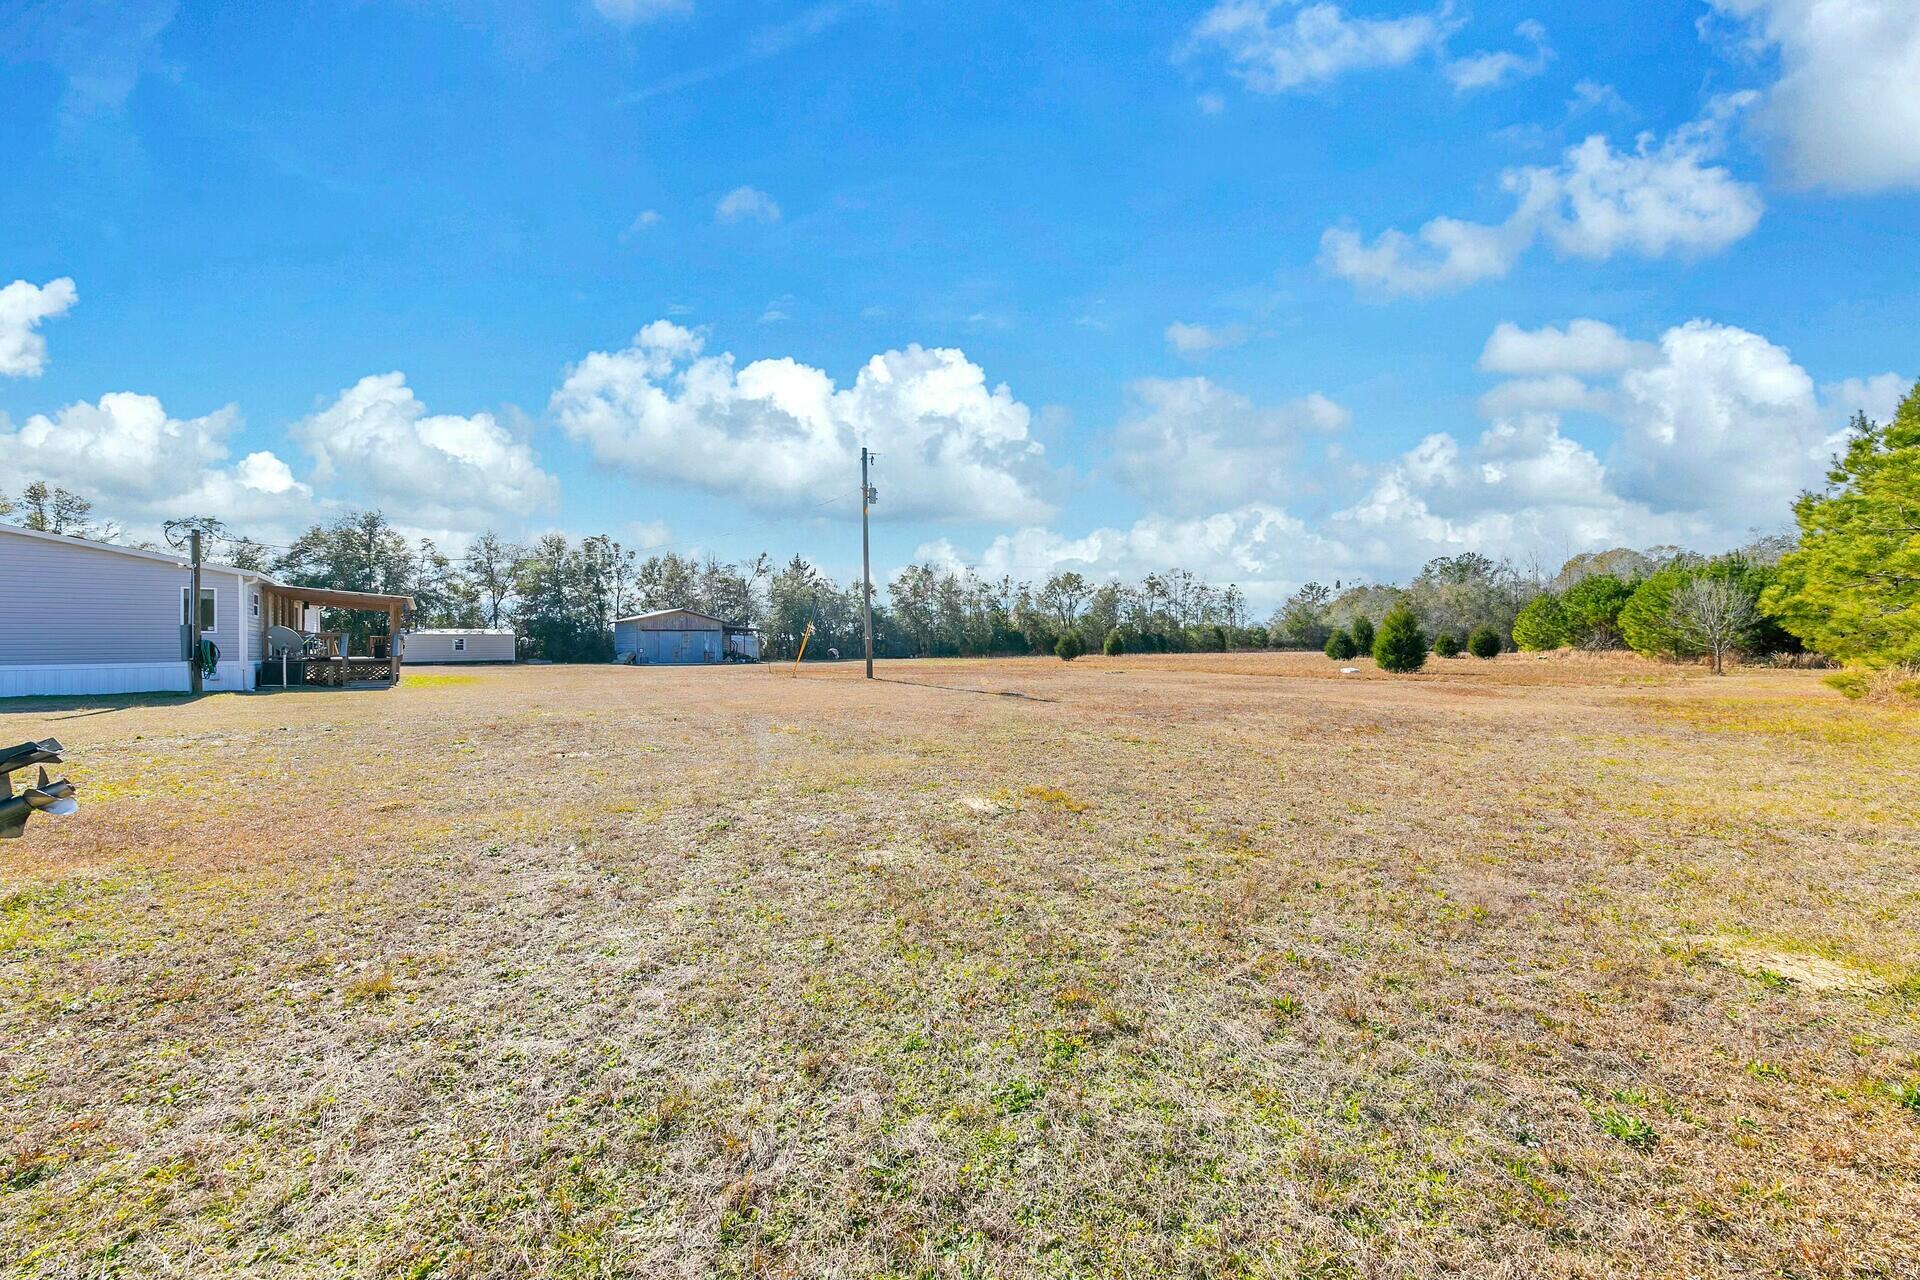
{"points": [[393, 641]]}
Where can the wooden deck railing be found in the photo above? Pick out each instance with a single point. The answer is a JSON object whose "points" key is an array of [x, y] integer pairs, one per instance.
{"points": [[330, 673]]}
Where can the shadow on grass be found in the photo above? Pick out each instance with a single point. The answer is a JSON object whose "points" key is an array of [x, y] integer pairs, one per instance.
{"points": [[78, 706], [956, 688]]}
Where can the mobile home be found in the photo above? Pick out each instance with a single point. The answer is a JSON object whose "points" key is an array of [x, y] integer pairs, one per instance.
{"points": [[85, 617]]}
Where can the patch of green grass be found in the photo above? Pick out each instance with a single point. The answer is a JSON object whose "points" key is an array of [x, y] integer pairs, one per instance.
{"points": [[377, 986], [1850, 684], [1016, 1095], [1055, 796], [1630, 1129], [1284, 1008]]}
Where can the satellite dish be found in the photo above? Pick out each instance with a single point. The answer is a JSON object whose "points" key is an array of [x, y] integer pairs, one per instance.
{"points": [[284, 640]]}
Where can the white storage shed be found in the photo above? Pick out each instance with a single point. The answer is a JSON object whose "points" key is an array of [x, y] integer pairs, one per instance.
{"points": [[461, 644]]}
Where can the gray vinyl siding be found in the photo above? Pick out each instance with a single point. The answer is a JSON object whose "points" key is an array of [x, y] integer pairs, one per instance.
{"points": [[231, 597], [68, 603]]}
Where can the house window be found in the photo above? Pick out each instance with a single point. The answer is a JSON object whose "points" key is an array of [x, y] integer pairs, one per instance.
{"points": [[256, 604], [460, 644], [207, 610]]}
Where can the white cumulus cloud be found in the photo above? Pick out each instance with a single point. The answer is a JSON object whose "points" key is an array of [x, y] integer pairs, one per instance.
{"points": [[781, 435], [379, 445], [1583, 347], [1188, 444], [137, 462], [1279, 45], [1191, 341], [1845, 110], [23, 351], [1593, 95], [746, 204], [1552, 393], [1522, 489], [1713, 422], [1494, 68], [1445, 254], [643, 222], [1724, 423], [1698, 438], [1663, 198], [1262, 548], [1877, 397]]}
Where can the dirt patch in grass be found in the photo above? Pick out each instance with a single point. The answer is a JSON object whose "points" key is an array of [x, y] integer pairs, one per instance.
{"points": [[1784, 969], [1197, 965]]}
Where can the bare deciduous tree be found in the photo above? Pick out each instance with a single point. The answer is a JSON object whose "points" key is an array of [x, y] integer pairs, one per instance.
{"points": [[1064, 594], [1714, 616], [489, 562]]}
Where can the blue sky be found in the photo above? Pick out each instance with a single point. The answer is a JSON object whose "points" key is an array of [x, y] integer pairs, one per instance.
{"points": [[1271, 290]]}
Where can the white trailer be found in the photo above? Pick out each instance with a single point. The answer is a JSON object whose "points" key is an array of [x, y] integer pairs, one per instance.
{"points": [[461, 644]]}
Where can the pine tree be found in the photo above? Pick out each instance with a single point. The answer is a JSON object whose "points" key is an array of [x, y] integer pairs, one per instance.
{"points": [[1852, 590], [1362, 630], [1542, 624], [1592, 608], [1400, 645]]}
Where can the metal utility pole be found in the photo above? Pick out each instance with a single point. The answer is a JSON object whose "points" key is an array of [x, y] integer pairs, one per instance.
{"points": [[866, 562], [193, 617]]}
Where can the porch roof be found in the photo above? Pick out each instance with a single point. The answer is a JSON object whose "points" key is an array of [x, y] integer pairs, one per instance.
{"points": [[339, 599]]}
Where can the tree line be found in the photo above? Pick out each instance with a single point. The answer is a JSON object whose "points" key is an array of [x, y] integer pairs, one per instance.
{"points": [[1846, 585]]}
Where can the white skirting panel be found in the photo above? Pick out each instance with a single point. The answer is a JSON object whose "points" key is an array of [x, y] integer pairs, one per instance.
{"points": [[66, 679], [231, 676]]}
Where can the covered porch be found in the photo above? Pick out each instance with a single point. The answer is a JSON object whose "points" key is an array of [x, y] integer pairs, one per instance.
{"points": [[298, 650]]}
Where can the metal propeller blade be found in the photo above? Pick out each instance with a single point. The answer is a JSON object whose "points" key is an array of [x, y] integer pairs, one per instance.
{"points": [[52, 796], [45, 751]]}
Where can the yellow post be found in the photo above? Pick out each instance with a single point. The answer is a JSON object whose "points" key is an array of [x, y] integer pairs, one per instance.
{"points": [[804, 637]]}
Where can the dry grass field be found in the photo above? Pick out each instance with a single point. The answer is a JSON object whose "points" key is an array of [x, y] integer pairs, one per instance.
{"points": [[1183, 966]]}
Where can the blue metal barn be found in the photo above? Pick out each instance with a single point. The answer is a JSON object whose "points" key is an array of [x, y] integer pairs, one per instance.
{"points": [[681, 637]]}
